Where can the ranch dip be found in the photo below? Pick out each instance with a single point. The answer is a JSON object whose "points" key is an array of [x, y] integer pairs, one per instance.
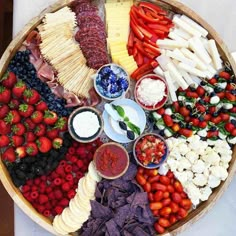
{"points": [[86, 124], [151, 91]]}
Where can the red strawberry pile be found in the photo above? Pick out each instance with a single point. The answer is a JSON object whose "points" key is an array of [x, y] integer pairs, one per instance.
{"points": [[50, 194], [168, 201], [27, 127]]}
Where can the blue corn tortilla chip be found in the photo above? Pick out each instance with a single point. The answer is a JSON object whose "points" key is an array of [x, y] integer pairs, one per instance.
{"points": [[112, 228]]}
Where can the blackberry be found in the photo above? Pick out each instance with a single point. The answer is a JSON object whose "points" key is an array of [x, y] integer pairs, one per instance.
{"points": [[39, 170], [66, 143], [30, 175], [53, 153], [54, 165], [20, 174], [63, 150], [23, 166]]}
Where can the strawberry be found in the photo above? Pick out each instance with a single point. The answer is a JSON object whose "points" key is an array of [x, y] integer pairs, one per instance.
{"points": [[18, 129], [26, 110], [195, 121], [212, 109], [200, 91], [31, 96], [30, 137], [9, 80], [4, 128], [57, 143], [30, 125], [17, 140], [19, 89], [42, 106], [13, 117], [224, 116], [184, 111], [62, 124], [4, 141], [9, 155], [40, 130], [31, 149], [216, 120], [231, 97], [229, 127], [52, 133], [192, 94], [5, 95], [225, 75], [50, 117], [44, 144], [176, 106], [200, 108], [202, 124], [168, 120], [212, 81], [20, 152], [37, 117], [14, 104], [4, 109]]}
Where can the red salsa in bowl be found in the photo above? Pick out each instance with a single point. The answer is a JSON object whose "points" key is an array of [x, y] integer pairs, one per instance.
{"points": [[111, 160]]}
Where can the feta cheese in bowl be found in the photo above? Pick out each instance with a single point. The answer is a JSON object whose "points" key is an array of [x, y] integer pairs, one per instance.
{"points": [[85, 124], [151, 92]]}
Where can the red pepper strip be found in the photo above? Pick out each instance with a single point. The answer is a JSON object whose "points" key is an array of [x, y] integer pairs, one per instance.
{"points": [[146, 60], [159, 32], [145, 73], [156, 16], [159, 27], [153, 7], [163, 22], [144, 17], [141, 50], [154, 64], [150, 53], [135, 50], [145, 32], [136, 30], [139, 59], [131, 39], [154, 49], [150, 42], [142, 69], [130, 51]]}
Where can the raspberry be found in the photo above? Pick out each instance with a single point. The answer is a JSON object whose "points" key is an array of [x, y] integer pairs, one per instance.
{"points": [[51, 195], [29, 182], [71, 150], [34, 195], [75, 168], [64, 202], [84, 169], [54, 202], [26, 194], [58, 194], [73, 159], [48, 189], [80, 163], [37, 181], [42, 185], [29, 198], [57, 181], [41, 208], [90, 156], [42, 190], [62, 163], [75, 144], [43, 198], [69, 177], [71, 182], [58, 210], [79, 175], [71, 194], [81, 151], [47, 213], [54, 175], [68, 156], [68, 168], [60, 171], [76, 181], [43, 178], [48, 205], [25, 188], [65, 187], [34, 188]]}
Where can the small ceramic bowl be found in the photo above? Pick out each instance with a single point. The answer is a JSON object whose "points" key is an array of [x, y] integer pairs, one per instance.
{"points": [[72, 129], [151, 165], [115, 152], [160, 103], [109, 78]]}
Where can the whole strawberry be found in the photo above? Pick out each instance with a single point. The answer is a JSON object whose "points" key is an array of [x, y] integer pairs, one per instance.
{"points": [[41, 106], [30, 137], [18, 129], [50, 117], [4, 128], [19, 89], [5, 95], [30, 125], [44, 144], [57, 143], [4, 109], [31, 149], [13, 117], [26, 110], [9, 155], [37, 117], [4, 141], [14, 104], [9, 80], [40, 130], [21, 152], [17, 140], [52, 133], [31, 96], [61, 124]]}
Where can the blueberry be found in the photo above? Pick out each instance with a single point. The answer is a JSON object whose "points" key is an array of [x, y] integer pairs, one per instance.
{"points": [[114, 88], [201, 118], [189, 107], [233, 91], [189, 126], [213, 128], [216, 76], [233, 122], [192, 88], [123, 83], [212, 94], [201, 101], [203, 83], [215, 114], [155, 127], [218, 89], [181, 124]]}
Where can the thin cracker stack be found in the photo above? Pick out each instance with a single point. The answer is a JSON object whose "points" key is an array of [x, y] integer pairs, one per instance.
{"points": [[61, 50]]}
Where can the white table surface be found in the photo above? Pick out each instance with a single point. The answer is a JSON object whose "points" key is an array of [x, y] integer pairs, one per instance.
{"points": [[220, 221]]}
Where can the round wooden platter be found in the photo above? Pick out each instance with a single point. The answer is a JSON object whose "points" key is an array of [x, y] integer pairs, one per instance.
{"points": [[194, 215]]}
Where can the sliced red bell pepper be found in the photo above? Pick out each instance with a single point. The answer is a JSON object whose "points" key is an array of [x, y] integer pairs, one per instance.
{"points": [[135, 50], [145, 32], [130, 39], [141, 70], [163, 28], [154, 64], [155, 15], [130, 51], [146, 60], [153, 49], [139, 59], [153, 7], [149, 53], [136, 30], [150, 42], [159, 33]]}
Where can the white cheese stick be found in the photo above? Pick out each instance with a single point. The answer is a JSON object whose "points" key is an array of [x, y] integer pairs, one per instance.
{"points": [[163, 61], [195, 25], [214, 54], [191, 70], [197, 46], [205, 43], [171, 44], [174, 36], [186, 27], [211, 69], [196, 79], [181, 33], [158, 71], [176, 75], [172, 90], [186, 77], [208, 74], [176, 54], [199, 64]]}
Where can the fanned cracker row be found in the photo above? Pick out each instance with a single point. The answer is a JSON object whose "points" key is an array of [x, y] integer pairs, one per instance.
{"points": [[63, 52]]}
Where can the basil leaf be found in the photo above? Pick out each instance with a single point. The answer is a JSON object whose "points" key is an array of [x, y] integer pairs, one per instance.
{"points": [[227, 101], [133, 127], [160, 122], [232, 114], [126, 119], [119, 110], [223, 131], [179, 117], [221, 80]]}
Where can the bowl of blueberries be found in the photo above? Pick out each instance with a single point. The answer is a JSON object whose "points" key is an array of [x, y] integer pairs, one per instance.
{"points": [[111, 82]]}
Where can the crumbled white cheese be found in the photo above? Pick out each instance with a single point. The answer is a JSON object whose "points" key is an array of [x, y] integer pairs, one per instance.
{"points": [[151, 91], [85, 124]]}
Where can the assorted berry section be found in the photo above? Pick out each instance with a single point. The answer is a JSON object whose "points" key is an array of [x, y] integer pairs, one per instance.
{"points": [[21, 66], [208, 109]]}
